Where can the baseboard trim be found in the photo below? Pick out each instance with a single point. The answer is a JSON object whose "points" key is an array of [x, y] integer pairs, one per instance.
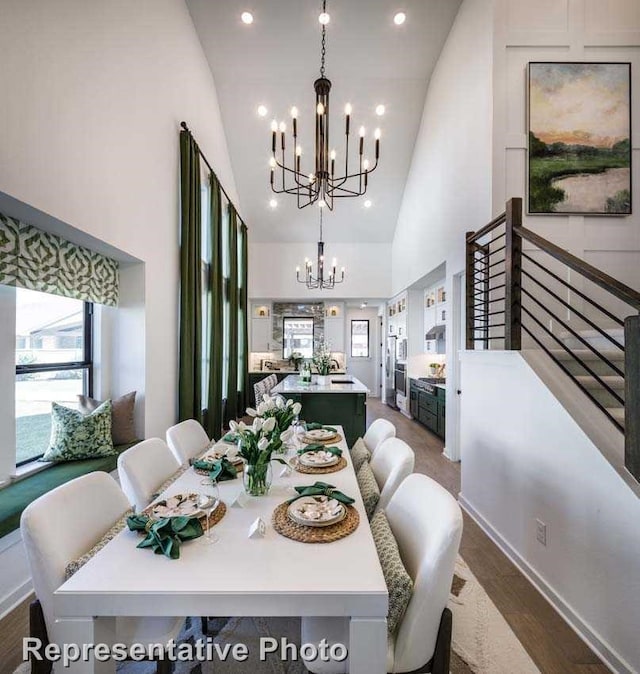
{"points": [[11, 601], [614, 661]]}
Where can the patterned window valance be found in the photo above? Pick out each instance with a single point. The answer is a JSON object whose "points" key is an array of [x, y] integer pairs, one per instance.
{"points": [[37, 260]]}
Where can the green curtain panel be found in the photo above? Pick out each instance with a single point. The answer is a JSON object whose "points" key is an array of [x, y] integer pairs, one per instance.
{"points": [[190, 357], [243, 364], [213, 420], [37, 260], [231, 411]]}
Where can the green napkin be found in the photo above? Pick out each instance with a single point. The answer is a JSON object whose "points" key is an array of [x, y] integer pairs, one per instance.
{"points": [[322, 489], [231, 437], [336, 451], [315, 426], [165, 535], [220, 469]]}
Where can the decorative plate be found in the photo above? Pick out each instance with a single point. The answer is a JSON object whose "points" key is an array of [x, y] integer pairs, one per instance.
{"points": [[220, 450], [318, 459], [322, 434], [179, 505], [316, 511]]}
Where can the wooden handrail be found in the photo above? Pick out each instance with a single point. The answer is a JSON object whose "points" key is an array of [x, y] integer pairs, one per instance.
{"points": [[485, 229], [615, 287]]}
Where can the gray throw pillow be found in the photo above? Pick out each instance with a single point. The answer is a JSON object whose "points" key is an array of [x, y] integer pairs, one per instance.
{"points": [[76, 436], [369, 489], [399, 582], [359, 454], [123, 430]]}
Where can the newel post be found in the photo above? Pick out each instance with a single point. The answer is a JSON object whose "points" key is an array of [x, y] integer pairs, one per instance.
{"points": [[513, 277], [469, 291], [632, 395]]}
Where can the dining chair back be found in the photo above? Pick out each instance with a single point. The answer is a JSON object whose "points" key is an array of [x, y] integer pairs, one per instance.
{"points": [[426, 522], [143, 468], [379, 431], [264, 387], [393, 462], [187, 440], [58, 528], [64, 524]]}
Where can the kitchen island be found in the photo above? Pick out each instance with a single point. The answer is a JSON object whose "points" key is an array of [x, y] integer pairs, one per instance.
{"points": [[343, 400]]}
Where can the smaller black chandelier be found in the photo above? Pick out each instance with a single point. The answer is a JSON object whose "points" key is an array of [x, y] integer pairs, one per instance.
{"points": [[319, 282]]}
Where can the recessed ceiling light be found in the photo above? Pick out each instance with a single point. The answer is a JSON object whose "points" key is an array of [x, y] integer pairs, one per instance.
{"points": [[273, 203], [262, 111], [399, 18], [247, 17], [367, 204], [380, 110], [324, 18]]}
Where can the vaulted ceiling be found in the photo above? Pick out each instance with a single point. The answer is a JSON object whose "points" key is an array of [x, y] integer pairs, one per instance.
{"points": [[274, 62]]}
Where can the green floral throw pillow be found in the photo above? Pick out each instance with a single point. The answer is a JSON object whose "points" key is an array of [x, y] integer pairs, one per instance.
{"points": [[369, 489], [75, 435], [359, 454], [399, 583]]}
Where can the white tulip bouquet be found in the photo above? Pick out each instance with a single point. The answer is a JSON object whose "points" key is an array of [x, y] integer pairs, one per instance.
{"points": [[284, 414], [256, 445]]}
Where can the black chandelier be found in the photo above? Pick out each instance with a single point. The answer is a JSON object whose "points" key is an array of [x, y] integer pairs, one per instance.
{"points": [[322, 185], [319, 282]]}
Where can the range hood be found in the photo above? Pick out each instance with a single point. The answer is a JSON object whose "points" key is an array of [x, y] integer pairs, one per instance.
{"points": [[436, 332]]}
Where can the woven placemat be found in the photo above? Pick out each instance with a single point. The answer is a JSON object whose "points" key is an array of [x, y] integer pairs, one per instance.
{"points": [[329, 441], [318, 470], [298, 532]]}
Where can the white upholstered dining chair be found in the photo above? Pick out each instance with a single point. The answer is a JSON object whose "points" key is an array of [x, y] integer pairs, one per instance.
{"points": [[143, 468], [426, 522], [393, 462], [61, 526], [187, 440], [379, 431]]}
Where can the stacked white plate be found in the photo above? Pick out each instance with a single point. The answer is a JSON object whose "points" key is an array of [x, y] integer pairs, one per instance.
{"points": [[316, 511]]}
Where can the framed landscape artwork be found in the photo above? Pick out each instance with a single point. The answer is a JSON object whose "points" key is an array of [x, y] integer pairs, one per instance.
{"points": [[580, 138]]}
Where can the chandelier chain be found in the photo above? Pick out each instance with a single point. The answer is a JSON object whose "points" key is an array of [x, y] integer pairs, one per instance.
{"points": [[323, 52]]}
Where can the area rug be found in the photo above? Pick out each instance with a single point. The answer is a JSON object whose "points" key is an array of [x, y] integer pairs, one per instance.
{"points": [[483, 642]]}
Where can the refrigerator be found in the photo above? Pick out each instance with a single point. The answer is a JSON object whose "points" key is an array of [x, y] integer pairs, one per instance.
{"points": [[389, 372]]}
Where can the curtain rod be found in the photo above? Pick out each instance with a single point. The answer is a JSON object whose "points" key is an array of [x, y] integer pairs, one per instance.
{"points": [[201, 153]]}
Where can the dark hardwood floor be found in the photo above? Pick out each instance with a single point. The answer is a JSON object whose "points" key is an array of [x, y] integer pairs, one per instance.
{"points": [[552, 644]]}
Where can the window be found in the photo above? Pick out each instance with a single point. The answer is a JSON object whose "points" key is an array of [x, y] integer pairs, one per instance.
{"points": [[359, 339], [53, 364], [297, 334]]}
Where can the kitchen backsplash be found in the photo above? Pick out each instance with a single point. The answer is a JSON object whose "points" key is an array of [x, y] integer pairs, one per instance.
{"points": [[280, 310]]}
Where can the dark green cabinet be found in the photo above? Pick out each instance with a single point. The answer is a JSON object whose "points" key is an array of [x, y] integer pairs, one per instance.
{"points": [[346, 409], [427, 404]]}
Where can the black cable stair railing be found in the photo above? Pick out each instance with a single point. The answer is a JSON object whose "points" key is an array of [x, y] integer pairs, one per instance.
{"points": [[514, 293]]}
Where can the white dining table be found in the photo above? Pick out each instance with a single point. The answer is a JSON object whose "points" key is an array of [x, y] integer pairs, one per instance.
{"points": [[237, 576]]}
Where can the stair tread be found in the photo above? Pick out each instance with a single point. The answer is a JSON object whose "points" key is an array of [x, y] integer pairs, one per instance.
{"points": [[617, 413], [614, 381], [614, 355]]}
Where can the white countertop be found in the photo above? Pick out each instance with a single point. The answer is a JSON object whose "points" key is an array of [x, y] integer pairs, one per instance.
{"points": [[291, 384], [286, 370]]}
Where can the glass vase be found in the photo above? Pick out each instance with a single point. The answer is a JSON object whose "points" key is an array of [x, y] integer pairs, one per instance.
{"points": [[257, 479]]}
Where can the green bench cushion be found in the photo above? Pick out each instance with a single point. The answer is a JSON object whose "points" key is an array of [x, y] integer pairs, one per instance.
{"points": [[17, 496]]}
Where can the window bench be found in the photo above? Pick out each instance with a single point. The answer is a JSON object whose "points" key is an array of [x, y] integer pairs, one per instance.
{"points": [[17, 496]]}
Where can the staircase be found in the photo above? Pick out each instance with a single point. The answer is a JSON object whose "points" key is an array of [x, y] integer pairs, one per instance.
{"points": [[525, 292]]}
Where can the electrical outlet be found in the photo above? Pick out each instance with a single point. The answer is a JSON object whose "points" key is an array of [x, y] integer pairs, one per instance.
{"points": [[541, 532]]}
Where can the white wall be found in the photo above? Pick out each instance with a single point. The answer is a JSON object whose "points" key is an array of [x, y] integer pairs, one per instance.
{"points": [[367, 370], [537, 463], [449, 184], [93, 94], [272, 270]]}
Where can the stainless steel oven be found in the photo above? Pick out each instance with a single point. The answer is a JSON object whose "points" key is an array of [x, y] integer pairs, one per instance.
{"points": [[401, 378]]}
